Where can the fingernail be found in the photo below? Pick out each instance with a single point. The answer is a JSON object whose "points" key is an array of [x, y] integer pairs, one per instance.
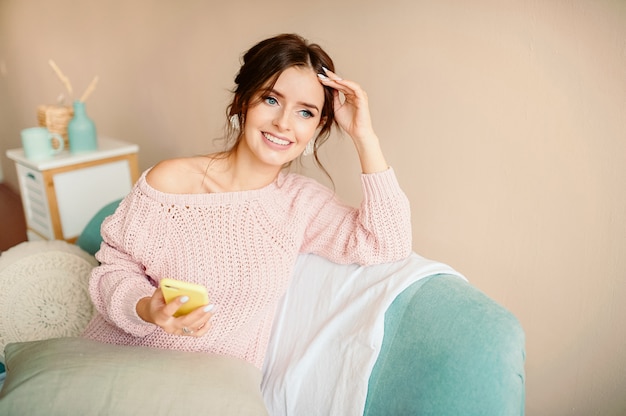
{"points": [[209, 308], [337, 77], [323, 77], [184, 299]]}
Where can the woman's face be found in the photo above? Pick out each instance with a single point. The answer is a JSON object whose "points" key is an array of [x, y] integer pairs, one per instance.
{"points": [[279, 125]]}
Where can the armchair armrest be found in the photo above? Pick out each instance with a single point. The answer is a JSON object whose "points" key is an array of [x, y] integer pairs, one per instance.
{"points": [[448, 349]]}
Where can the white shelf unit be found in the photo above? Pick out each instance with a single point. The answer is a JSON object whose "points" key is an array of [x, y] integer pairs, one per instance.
{"points": [[61, 193]]}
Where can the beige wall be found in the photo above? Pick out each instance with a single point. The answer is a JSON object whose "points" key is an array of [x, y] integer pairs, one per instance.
{"points": [[506, 122]]}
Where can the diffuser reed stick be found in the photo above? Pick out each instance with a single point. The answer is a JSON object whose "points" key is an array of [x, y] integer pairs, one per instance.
{"points": [[89, 89], [64, 80]]}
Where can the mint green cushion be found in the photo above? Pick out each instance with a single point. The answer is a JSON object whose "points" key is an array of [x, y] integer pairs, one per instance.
{"points": [[90, 239], [448, 349]]}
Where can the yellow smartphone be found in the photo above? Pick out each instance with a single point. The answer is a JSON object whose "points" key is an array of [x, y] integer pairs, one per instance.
{"points": [[172, 288]]}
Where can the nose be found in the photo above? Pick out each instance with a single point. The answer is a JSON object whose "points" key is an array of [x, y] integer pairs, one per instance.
{"points": [[281, 120]]}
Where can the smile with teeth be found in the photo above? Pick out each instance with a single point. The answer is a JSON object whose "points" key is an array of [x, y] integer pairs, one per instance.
{"points": [[276, 140]]}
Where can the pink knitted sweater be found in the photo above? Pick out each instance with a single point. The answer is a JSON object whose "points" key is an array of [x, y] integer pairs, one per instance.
{"points": [[242, 246]]}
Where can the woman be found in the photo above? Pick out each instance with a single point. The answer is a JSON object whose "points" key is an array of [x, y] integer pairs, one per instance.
{"points": [[236, 221]]}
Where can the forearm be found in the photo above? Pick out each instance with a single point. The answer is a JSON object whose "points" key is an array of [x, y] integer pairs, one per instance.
{"points": [[115, 287], [377, 232], [370, 154]]}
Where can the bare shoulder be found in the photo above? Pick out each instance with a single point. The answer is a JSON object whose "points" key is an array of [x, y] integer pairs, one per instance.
{"points": [[176, 176]]}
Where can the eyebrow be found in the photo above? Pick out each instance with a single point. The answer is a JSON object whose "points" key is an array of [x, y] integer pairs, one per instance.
{"points": [[308, 105]]}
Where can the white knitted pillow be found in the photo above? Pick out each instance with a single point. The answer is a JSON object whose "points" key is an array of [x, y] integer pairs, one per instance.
{"points": [[43, 291]]}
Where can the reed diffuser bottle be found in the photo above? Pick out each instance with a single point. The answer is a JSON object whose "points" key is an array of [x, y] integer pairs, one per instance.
{"points": [[81, 130]]}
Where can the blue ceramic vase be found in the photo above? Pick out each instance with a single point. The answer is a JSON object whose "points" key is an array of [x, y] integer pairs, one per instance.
{"points": [[81, 131]]}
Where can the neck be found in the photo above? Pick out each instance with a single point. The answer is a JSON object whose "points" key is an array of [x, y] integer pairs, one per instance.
{"points": [[246, 173]]}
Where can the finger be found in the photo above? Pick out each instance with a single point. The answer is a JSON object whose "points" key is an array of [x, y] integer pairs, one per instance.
{"points": [[331, 74], [325, 80], [201, 314], [335, 84], [351, 95], [198, 320], [202, 328], [171, 308], [343, 85], [187, 331], [331, 79], [336, 100], [195, 330]]}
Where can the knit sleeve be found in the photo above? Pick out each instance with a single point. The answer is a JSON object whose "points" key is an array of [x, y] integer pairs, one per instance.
{"points": [[379, 231], [120, 281]]}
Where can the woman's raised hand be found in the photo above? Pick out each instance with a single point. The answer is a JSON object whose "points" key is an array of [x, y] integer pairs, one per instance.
{"points": [[353, 116]]}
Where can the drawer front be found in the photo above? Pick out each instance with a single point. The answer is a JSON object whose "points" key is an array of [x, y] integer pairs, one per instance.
{"points": [[35, 201]]}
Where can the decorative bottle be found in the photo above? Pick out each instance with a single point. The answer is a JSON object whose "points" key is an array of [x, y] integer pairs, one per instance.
{"points": [[81, 130]]}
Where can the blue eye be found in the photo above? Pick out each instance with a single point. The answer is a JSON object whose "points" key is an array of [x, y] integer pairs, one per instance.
{"points": [[271, 100], [306, 113]]}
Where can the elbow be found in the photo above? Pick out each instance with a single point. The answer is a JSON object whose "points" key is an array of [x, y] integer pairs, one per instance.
{"points": [[391, 249]]}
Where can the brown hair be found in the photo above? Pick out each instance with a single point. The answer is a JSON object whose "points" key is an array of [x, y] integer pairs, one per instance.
{"points": [[261, 67]]}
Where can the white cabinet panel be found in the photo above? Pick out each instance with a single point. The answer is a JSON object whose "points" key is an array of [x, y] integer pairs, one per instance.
{"points": [[81, 193]]}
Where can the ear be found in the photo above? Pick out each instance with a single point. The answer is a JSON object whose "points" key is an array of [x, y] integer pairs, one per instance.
{"points": [[322, 122], [237, 104]]}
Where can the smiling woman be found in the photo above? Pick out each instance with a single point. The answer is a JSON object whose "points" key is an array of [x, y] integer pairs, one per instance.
{"points": [[236, 221]]}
